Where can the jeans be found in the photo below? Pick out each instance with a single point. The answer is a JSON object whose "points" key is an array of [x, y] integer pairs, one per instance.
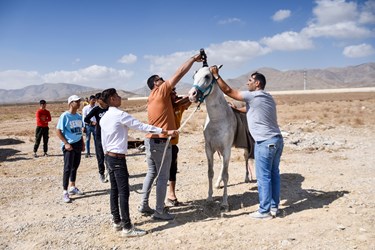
{"points": [[119, 179], [72, 159], [267, 161], [89, 130], [154, 155], [99, 154], [39, 133]]}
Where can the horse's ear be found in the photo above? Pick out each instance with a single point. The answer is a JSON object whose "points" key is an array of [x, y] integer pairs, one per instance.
{"points": [[220, 66]]}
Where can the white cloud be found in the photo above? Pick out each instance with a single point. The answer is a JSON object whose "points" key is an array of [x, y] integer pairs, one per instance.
{"points": [[280, 15], [368, 14], [288, 41], [338, 19], [347, 30], [361, 50], [128, 59], [15, 79], [230, 20], [229, 53], [93, 75]]}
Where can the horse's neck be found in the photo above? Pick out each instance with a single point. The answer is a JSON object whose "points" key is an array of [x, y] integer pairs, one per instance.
{"points": [[217, 106]]}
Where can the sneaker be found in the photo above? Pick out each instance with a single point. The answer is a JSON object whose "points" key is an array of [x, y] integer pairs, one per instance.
{"points": [[163, 216], [74, 190], [86, 156], [145, 210], [274, 211], [257, 215], [35, 155], [66, 198], [102, 178], [45, 154], [133, 232], [118, 226]]}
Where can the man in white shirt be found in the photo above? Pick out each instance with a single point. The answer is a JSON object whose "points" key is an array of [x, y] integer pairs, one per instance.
{"points": [[115, 125], [89, 128]]}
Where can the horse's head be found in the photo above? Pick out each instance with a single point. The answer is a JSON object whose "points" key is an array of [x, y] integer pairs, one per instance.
{"points": [[202, 86]]}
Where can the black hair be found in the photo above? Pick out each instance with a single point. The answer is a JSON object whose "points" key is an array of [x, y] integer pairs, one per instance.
{"points": [[259, 77], [107, 93], [92, 97], [98, 95], [151, 80], [42, 102]]}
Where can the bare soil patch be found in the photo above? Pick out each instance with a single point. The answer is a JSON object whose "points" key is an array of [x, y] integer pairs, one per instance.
{"points": [[327, 193]]}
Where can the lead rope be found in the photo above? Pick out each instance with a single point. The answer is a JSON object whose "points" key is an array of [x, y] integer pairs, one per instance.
{"points": [[165, 150]]}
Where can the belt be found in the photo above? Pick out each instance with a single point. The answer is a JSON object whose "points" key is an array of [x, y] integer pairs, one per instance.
{"points": [[115, 155], [159, 140]]}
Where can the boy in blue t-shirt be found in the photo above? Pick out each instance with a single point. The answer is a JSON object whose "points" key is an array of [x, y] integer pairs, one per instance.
{"points": [[69, 130]]}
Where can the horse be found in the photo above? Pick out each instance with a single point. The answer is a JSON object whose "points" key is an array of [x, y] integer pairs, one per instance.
{"points": [[219, 129]]}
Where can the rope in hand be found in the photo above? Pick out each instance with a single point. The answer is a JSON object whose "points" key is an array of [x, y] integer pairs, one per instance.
{"points": [[165, 151]]}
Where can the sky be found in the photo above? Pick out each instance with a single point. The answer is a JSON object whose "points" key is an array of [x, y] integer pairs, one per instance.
{"points": [[120, 43]]}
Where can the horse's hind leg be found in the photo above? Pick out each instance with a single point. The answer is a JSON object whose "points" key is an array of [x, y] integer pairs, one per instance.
{"points": [[253, 176], [225, 178], [247, 169]]}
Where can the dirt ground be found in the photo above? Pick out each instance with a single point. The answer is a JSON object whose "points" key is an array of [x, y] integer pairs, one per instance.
{"points": [[327, 185]]}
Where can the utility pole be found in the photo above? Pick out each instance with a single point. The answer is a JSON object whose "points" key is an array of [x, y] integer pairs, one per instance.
{"points": [[304, 79]]}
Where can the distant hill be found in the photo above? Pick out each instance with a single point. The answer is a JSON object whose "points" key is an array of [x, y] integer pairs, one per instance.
{"points": [[347, 77], [362, 75], [51, 92]]}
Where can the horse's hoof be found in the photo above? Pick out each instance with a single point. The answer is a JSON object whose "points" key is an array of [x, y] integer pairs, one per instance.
{"points": [[247, 180], [224, 208]]}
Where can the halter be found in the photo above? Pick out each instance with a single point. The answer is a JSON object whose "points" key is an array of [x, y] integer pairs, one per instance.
{"points": [[204, 90]]}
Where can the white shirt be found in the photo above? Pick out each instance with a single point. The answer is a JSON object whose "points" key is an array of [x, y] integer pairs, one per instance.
{"points": [[85, 111], [115, 125]]}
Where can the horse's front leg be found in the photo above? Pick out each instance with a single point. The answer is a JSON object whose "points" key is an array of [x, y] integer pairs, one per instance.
{"points": [[210, 173]]}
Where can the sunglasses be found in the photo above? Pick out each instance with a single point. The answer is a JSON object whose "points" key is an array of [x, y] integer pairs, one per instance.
{"points": [[161, 78]]}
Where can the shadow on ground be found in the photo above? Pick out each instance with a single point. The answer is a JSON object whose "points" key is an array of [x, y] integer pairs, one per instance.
{"points": [[296, 200]]}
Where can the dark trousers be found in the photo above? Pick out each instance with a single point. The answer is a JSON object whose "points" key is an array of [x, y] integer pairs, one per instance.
{"points": [[72, 159], [99, 154], [119, 179], [173, 170], [39, 133]]}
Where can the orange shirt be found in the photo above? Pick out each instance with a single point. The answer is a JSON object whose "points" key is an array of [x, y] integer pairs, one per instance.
{"points": [[160, 110]]}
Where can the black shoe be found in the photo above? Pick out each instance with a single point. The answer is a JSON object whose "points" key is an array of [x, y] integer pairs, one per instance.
{"points": [[45, 154]]}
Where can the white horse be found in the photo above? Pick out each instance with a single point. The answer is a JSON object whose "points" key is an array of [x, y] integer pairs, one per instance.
{"points": [[219, 130]]}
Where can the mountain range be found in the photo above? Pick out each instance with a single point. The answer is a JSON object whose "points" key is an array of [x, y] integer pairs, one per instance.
{"points": [[362, 75]]}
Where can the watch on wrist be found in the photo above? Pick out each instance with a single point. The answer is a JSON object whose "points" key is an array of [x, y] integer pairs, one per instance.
{"points": [[217, 77]]}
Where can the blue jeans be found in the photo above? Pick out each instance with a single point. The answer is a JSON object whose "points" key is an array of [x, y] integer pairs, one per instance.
{"points": [[89, 130], [119, 179], [154, 154], [267, 161]]}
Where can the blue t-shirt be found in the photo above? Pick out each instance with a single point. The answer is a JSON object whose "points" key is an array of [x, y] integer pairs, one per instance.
{"points": [[70, 126], [261, 114]]}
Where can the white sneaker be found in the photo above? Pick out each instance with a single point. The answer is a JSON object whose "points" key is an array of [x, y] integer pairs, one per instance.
{"points": [[274, 211], [133, 232], [257, 215], [118, 226], [74, 190], [66, 198]]}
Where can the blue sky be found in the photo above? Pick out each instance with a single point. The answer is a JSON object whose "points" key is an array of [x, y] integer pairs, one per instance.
{"points": [[120, 43]]}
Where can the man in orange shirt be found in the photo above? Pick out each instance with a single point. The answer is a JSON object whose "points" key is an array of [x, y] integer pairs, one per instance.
{"points": [[43, 116], [180, 104], [160, 114]]}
